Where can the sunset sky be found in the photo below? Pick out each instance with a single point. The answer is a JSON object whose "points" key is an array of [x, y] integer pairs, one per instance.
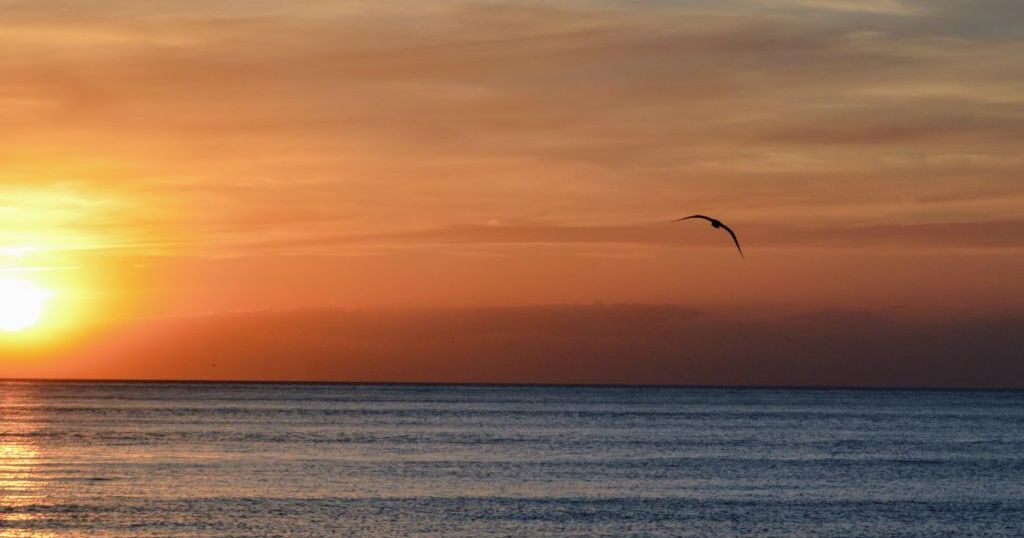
{"points": [[481, 191]]}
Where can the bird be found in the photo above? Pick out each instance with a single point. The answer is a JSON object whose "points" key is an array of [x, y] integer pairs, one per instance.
{"points": [[715, 223]]}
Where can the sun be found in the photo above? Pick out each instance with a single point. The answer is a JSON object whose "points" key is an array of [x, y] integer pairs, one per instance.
{"points": [[21, 304]]}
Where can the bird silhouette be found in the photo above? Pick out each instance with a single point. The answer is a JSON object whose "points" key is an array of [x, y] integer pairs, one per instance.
{"points": [[715, 223]]}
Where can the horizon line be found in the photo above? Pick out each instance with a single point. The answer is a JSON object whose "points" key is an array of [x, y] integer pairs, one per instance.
{"points": [[512, 384]]}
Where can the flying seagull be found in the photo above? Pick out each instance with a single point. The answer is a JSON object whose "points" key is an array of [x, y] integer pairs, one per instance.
{"points": [[715, 223]]}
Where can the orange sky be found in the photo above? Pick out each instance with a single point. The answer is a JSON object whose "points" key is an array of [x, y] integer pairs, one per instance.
{"points": [[196, 159]]}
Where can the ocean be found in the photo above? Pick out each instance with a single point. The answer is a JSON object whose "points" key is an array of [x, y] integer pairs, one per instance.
{"points": [[311, 460]]}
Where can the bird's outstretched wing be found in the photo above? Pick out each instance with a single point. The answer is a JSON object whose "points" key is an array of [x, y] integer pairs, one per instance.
{"points": [[717, 223], [734, 239], [709, 219]]}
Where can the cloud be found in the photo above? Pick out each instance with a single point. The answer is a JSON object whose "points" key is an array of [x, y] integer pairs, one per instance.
{"points": [[945, 235], [253, 146], [464, 110], [568, 344], [884, 7]]}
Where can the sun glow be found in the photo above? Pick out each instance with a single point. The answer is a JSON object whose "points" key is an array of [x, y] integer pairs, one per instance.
{"points": [[21, 304]]}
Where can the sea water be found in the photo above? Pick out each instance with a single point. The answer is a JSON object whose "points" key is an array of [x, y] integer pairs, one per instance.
{"points": [[309, 460]]}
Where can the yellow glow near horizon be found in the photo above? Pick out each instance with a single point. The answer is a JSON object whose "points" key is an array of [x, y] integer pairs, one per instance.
{"points": [[22, 304]]}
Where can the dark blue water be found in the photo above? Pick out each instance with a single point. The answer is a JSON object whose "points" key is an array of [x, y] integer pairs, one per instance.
{"points": [[191, 460]]}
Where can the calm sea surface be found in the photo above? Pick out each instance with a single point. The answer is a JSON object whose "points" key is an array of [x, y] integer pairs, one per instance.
{"points": [[190, 460]]}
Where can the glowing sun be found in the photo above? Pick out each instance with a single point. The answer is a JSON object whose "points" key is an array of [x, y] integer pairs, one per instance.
{"points": [[21, 304]]}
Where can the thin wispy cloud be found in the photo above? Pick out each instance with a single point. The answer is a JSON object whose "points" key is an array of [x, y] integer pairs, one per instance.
{"points": [[212, 130]]}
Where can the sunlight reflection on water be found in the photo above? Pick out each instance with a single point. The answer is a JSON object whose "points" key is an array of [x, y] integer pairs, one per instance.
{"points": [[21, 483]]}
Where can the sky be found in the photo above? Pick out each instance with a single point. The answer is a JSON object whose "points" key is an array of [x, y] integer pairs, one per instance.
{"points": [[353, 186]]}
